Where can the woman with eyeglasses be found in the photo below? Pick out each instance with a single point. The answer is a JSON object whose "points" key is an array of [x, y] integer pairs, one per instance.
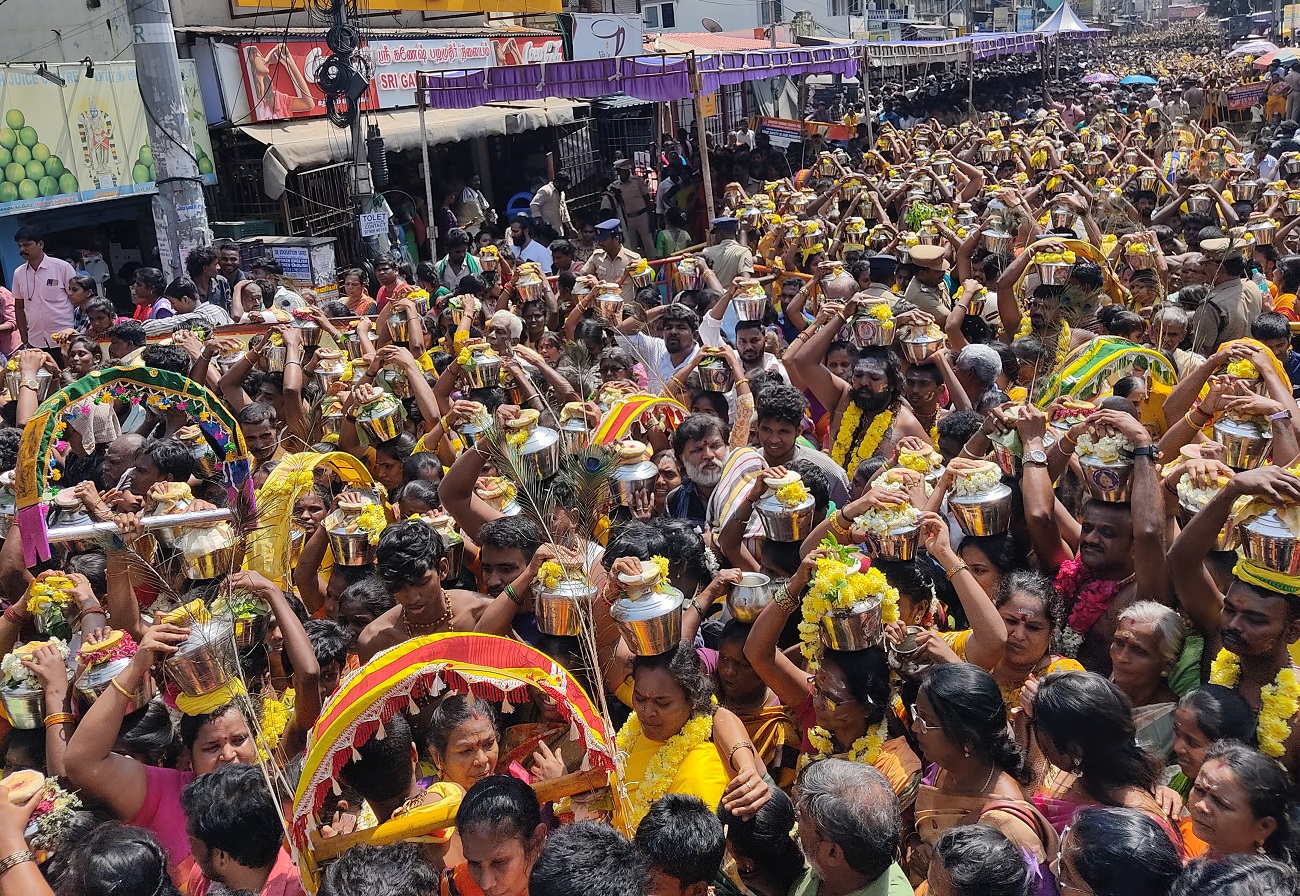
{"points": [[844, 705], [1083, 724], [960, 724], [1115, 852]]}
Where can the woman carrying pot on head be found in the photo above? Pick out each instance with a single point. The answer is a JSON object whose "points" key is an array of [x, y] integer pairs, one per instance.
{"points": [[844, 707], [213, 729], [960, 724]]}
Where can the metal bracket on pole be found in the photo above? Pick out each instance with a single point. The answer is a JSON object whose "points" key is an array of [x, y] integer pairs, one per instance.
{"points": [[421, 99]]}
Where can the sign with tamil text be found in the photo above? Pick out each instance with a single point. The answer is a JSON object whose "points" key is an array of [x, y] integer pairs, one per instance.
{"points": [[397, 61]]}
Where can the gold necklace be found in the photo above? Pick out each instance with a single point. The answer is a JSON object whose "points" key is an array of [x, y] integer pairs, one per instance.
{"points": [[429, 627]]}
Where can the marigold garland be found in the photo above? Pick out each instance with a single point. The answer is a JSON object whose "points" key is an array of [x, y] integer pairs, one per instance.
{"points": [[838, 584], [50, 592], [870, 441], [865, 749], [1280, 701], [792, 495], [663, 765], [372, 521]]}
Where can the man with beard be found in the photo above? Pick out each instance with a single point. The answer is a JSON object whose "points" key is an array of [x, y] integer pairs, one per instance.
{"points": [[849, 830], [1249, 629], [751, 346], [1044, 306], [868, 416], [524, 247], [664, 356], [700, 443], [611, 261], [1104, 579]]}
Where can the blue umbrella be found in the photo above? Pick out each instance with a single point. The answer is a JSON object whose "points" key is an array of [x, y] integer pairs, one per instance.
{"points": [[1137, 79]]}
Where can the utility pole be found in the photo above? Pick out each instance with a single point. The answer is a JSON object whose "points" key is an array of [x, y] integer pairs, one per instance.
{"points": [[179, 215]]}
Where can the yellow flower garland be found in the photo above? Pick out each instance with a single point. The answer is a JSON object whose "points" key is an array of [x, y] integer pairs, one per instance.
{"points": [[372, 521], [516, 438], [865, 749], [838, 585], [662, 563], [792, 495], [871, 439], [663, 766], [1281, 701], [1062, 341], [275, 720]]}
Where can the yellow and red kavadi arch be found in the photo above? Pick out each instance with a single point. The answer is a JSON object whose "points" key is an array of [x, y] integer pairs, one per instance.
{"points": [[637, 413], [500, 670], [157, 389]]}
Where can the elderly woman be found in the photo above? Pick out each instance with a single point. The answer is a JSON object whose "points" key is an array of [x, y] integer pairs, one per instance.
{"points": [[1146, 645]]}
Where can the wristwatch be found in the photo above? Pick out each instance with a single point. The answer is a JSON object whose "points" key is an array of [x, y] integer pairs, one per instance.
{"points": [[1035, 456], [30, 384], [1149, 451]]}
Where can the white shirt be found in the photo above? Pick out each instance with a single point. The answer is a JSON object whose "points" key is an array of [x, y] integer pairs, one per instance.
{"points": [[534, 251], [650, 351]]}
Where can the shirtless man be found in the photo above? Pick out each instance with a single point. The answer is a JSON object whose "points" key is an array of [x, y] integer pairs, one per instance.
{"points": [[412, 564]]}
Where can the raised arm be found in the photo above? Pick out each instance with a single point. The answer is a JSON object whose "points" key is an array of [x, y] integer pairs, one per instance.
{"points": [[786, 680]]}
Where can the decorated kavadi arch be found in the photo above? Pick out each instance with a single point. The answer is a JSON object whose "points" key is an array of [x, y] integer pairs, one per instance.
{"points": [[488, 666], [159, 389]]}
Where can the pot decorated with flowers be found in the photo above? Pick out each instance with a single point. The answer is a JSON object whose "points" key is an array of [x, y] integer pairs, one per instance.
{"points": [[528, 282], [1107, 463], [891, 532], [354, 527], [1055, 268], [563, 593], [21, 689], [538, 446], [499, 493], [378, 413], [873, 325], [648, 611], [1246, 438], [1270, 535], [205, 661], [979, 500], [102, 661], [51, 601], [480, 365], [847, 605], [1192, 499], [305, 323], [274, 352], [926, 461], [249, 616], [786, 510], [475, 424], [1140, 256], [53, 819]]}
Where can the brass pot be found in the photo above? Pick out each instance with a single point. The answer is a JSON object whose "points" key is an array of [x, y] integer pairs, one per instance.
{"points": [[856, 628]]}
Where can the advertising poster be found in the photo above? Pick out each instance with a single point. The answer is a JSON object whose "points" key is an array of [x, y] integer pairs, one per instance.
{"points": [[598, 36], [85, 141], [397, 61], [38, 153], [528, 50], [281, 79]]}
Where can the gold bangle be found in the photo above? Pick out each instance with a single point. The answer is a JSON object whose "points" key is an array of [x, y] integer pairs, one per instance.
{"points": [[14, 859], [117, 686], [957, 567], [732, 755], [57, 718]]}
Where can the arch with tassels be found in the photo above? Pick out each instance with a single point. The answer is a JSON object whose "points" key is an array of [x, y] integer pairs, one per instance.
{"points": [[488, 666], [645, 411], [160, 389]]}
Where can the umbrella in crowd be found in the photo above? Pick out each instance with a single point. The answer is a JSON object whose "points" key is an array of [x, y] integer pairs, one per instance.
{"points": [[1253, 48], [1137, 79], [1285, 55], [1099, 78]]}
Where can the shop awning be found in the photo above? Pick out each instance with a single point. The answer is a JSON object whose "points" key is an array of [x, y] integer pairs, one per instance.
{"points": [[306, 143]]}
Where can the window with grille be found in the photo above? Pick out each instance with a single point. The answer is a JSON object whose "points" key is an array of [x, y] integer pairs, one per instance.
{"points": [[845, 7], [659, 15]]}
